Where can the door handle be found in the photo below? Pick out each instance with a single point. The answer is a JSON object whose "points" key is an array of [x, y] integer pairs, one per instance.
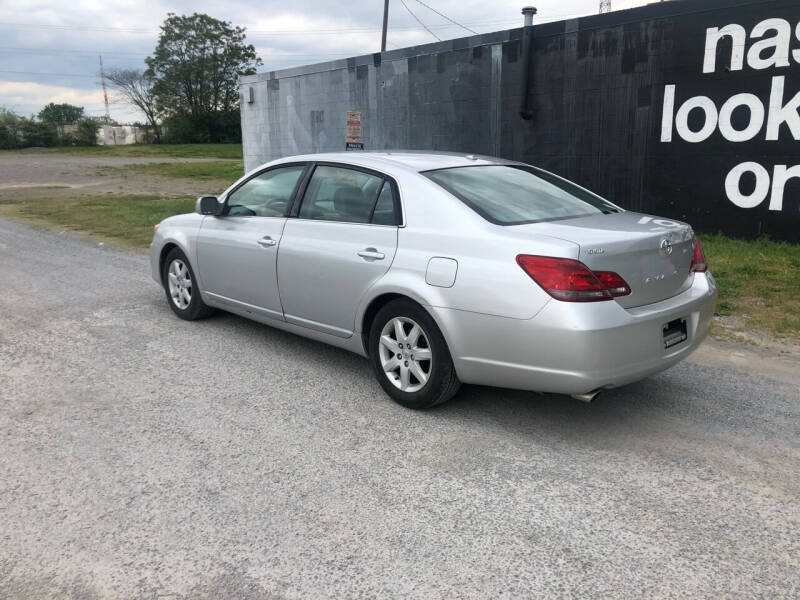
{"points": [[267, 242], [371, 254]]}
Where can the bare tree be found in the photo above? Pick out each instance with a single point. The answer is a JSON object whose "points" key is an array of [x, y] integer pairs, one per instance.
{"points": [[136, 88]]}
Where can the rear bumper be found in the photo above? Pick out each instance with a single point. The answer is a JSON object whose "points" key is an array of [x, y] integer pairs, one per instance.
{"points": [[573, 348]]}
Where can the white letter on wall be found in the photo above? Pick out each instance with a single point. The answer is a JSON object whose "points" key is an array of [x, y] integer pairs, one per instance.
{"points": [[780, 113], [735, 193], [779, 44], [713, 36], [709, 125], [726, 128], [796, 53], [779, 179], [666, 115]]}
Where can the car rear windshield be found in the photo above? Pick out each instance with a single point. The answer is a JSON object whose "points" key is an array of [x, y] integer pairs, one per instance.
{"points": [[512, 195]]}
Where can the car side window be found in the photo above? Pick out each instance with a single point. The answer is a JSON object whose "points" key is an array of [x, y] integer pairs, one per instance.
{"points": [[384, 213], [265, 195], [341, 194]]}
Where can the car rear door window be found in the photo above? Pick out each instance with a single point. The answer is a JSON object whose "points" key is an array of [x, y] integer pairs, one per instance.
{"points": [[266, 194], [512, 195], [341, 194], [384, 213]]}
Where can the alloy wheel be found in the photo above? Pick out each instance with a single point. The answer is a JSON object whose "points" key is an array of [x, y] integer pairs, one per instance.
{"points": [[405, 354], [180, 284]]}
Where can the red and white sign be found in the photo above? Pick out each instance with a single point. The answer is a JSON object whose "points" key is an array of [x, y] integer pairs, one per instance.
{"points": [[352, 135]]}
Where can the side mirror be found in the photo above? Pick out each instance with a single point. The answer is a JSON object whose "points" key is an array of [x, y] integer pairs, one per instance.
{"points": [[208, 205]]}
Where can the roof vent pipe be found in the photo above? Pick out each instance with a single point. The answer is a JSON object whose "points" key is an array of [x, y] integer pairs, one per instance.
{"points": [[527, 51], [528, 12]]}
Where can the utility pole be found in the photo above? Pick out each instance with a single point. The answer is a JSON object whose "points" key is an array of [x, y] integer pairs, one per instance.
{"points": [[105, 92], [385, 24], [605, 6]]}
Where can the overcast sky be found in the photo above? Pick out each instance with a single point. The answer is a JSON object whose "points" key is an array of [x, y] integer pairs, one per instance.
{"points": [[49, 48]]}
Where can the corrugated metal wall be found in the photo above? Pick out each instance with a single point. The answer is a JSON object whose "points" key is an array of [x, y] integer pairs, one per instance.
{"points": [[598, 94]]}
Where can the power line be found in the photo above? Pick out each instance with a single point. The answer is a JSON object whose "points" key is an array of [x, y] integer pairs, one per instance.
{"points": [[266, 32], [95, 76], [403, 2], [19, 50], [269, 57], [45, 51], [50, 74], [446, 17], [256, 32]]}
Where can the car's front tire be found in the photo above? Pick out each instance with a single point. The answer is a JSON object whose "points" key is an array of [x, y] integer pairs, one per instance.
{"points": [[410, 356], [180, 285]]}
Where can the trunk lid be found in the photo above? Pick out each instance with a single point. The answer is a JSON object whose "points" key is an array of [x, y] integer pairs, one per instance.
{"points": [[653, 255]]}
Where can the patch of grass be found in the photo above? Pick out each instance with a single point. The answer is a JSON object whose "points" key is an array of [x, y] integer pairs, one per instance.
{"points": [[126, 220], [758, 280], [228, 171], [151, 150]]}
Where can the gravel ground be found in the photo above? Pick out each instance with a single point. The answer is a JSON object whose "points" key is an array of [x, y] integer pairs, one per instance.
{"points": [[142, 456]]}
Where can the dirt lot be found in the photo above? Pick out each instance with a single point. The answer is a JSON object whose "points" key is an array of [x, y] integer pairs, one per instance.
{"points": [[32, 175]]}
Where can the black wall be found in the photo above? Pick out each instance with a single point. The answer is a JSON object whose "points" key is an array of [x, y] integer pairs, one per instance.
{"points": [[597, 100]]}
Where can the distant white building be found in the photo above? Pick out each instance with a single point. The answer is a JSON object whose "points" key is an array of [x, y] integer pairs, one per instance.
{"points": [[119, 135]]}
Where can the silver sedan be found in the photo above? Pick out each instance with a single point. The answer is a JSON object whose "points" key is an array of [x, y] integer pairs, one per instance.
{"points": [[443, 269]]}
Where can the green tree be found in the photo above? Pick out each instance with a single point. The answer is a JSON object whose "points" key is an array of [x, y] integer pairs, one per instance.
{"points": [[196, 67], [86, 134], [61, 114], [10, 129], [39, 133]]}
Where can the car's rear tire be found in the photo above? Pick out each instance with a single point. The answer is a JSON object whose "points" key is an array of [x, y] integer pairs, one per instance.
{"points": [[180, 285], [410, 356]]}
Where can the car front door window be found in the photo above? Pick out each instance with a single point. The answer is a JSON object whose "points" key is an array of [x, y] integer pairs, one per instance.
{"points": [[265, 195]]}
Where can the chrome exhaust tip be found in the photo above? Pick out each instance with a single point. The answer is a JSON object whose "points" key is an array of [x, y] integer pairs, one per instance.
{"points": [[587, 397]]}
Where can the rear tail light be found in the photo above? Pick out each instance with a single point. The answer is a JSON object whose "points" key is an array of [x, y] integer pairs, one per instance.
{"points": [[572, 281], [613, 282], [699, 264]]}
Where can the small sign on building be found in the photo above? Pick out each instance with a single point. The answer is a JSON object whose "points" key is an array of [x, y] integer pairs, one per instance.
{"points": [[352, 135]]}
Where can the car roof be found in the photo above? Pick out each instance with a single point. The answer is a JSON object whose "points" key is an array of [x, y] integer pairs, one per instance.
{"points": [[407, 159]]}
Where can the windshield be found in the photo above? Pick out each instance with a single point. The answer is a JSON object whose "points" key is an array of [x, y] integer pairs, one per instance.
{"points": [[512, 195]]}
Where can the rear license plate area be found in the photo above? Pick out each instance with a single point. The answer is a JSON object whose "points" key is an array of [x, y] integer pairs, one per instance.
{"points": [[675, 333]]}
